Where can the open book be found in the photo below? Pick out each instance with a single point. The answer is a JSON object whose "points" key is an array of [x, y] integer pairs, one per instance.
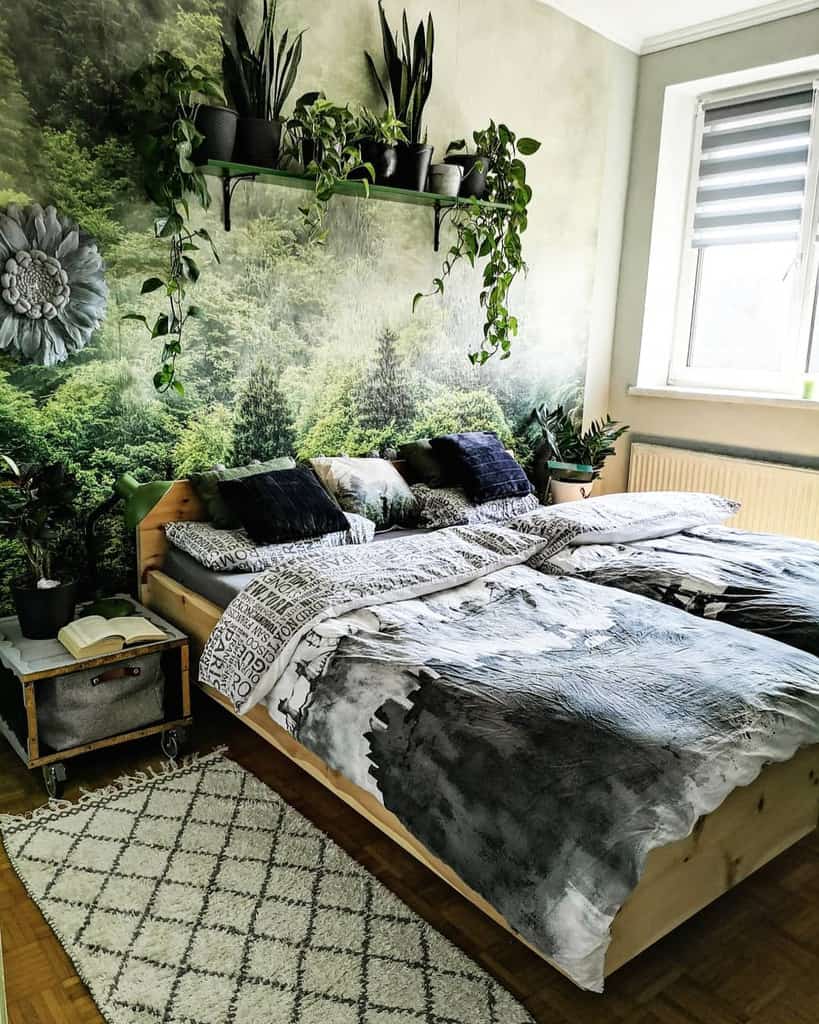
{"points": [[94, 636]]}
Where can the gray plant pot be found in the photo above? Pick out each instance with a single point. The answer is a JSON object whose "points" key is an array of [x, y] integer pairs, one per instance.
{"points": [[218, 125], [445, 179], [474, 168]]}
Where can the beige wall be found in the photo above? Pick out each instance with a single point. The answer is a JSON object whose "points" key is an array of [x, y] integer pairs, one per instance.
{"points": [[778, 429]]}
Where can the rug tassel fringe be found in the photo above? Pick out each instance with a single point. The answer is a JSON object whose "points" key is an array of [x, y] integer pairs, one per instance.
{"points": [[123, 784]]}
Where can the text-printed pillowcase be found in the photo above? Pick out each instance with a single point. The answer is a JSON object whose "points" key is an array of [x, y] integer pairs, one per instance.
{"points": [[620, 518], [449, 506], [234, 551]]}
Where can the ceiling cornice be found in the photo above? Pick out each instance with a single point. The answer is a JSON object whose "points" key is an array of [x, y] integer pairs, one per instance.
{"points": [[632, 40], [729, 23]]}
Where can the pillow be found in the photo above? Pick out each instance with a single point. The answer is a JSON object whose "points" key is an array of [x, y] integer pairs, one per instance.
{"points": [[234, 551], [479, 462], [206, 486], [619, 518], [369, 487], [282, 506], [424, 464], [449, 506]]}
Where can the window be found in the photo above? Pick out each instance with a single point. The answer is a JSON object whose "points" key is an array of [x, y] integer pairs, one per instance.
{"points": [[746, 306]]}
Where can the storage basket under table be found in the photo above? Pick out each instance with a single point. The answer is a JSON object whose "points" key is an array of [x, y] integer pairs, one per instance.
{"points": [[54, 707]]}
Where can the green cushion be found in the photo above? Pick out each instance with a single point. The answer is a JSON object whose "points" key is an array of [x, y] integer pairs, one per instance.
{"points": [[206, 486], [424, 464]]}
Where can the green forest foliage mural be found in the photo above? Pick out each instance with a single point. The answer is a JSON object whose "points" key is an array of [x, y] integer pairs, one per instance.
{"points": [[305, 349]]}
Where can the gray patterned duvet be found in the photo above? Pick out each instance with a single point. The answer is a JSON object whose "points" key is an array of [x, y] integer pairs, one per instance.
{"points": [[764, 583], [541, 735]]}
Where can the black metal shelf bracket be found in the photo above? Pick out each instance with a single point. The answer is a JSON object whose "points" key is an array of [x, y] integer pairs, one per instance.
{"points": [[229, 183], [442, 211]]}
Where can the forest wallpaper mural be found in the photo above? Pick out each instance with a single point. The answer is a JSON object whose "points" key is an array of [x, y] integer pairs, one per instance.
{"points": [[303, 348]]}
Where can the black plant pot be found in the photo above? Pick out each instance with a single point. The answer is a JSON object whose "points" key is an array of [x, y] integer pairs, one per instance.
{"points": [[413, 166], [43, 613], [218, 125], [475, 168], [384, 159], [258, 142]]}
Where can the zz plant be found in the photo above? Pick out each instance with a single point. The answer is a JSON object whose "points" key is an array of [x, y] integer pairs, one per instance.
{"points": [[491, 230], [165, 94]]}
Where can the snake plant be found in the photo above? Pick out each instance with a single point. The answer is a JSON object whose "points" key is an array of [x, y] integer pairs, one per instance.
{"points": [[259, 79], [409, 71]]}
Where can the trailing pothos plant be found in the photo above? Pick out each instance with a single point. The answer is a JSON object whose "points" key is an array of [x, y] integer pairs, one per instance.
{"points": [[324, 138], [165, 93], [490, 229]]}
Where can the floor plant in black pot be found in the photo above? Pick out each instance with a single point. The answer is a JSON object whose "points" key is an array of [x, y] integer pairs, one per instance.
{"points": [[409, 65], [258, 81], [37, 511]]}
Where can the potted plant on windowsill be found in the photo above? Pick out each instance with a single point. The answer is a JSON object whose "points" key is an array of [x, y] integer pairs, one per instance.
{"points": [[36, 511], [378, 137], [409, 80], [258, 82], [572, 458]]}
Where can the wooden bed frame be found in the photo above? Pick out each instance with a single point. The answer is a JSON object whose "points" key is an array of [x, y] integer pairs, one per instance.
{"points": [[753, 825]]}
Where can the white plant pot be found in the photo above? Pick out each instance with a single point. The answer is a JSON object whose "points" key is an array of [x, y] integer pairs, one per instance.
{"points": [[566, 490]]}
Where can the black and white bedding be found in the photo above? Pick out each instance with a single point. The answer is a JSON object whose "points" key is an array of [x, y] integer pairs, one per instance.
{"points": [[540, 735], [234, 551], [761, 582], [665, 546]]}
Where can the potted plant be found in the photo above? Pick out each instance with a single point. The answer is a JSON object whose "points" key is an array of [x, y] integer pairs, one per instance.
{"points": [[409, 74], [492, 233], [37, 510], [323, 136], [378, 137], [573, 457], [258, 82], [474, 166], [161, 106]]}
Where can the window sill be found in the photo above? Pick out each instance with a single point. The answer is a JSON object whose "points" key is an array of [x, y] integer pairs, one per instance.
{"points": [[732, 397]]}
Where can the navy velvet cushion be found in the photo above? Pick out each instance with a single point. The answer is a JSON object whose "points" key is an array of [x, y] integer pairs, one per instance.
{"points": [[281, 506], [482, 465]]}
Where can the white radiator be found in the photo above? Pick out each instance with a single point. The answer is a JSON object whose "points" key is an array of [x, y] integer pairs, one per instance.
{"points": [[775, 498]]}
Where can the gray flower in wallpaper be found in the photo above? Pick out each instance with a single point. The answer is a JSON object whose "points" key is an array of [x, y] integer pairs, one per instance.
{"points": [[52, 285]]}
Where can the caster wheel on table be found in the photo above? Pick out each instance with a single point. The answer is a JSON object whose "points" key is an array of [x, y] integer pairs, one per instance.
{"points": [[173, 743], [54, 776]]}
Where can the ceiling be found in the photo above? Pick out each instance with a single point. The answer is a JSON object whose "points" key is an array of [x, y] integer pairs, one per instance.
{"points": [[648, 25]]}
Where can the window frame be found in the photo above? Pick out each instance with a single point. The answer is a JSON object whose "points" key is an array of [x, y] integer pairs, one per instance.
{"points": [[802, 348]]}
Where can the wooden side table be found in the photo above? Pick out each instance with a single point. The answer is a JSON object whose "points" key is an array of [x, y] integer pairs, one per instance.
{"points": [[28, 665]]}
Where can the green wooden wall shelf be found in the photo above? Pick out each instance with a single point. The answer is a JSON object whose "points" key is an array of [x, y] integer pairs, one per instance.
{"points": [[232, 173]]}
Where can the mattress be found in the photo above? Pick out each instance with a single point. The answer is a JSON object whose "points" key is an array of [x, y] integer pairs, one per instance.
{"points": [[222, 587]]}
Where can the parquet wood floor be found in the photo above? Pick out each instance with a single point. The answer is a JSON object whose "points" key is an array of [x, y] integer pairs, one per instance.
{"points": [[750, 958]]}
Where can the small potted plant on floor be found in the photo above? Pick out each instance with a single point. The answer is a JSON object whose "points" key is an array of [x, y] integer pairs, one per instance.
{"points": [[37, 511], [573, 457], [378, 137], [258, 81], [409, 80]]}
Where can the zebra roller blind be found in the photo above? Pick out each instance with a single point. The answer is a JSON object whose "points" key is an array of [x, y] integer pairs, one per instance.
{"points": [[753, 170]]}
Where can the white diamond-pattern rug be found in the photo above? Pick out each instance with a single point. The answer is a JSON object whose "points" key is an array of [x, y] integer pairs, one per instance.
{"points": [[199, 896]]}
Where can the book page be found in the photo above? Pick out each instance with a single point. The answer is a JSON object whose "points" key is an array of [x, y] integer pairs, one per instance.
{"points": [[89, 630], [133, 628]]}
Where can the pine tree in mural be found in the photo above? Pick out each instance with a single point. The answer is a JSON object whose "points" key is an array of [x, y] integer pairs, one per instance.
{"points": [[263, 424], [386, 397]]}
